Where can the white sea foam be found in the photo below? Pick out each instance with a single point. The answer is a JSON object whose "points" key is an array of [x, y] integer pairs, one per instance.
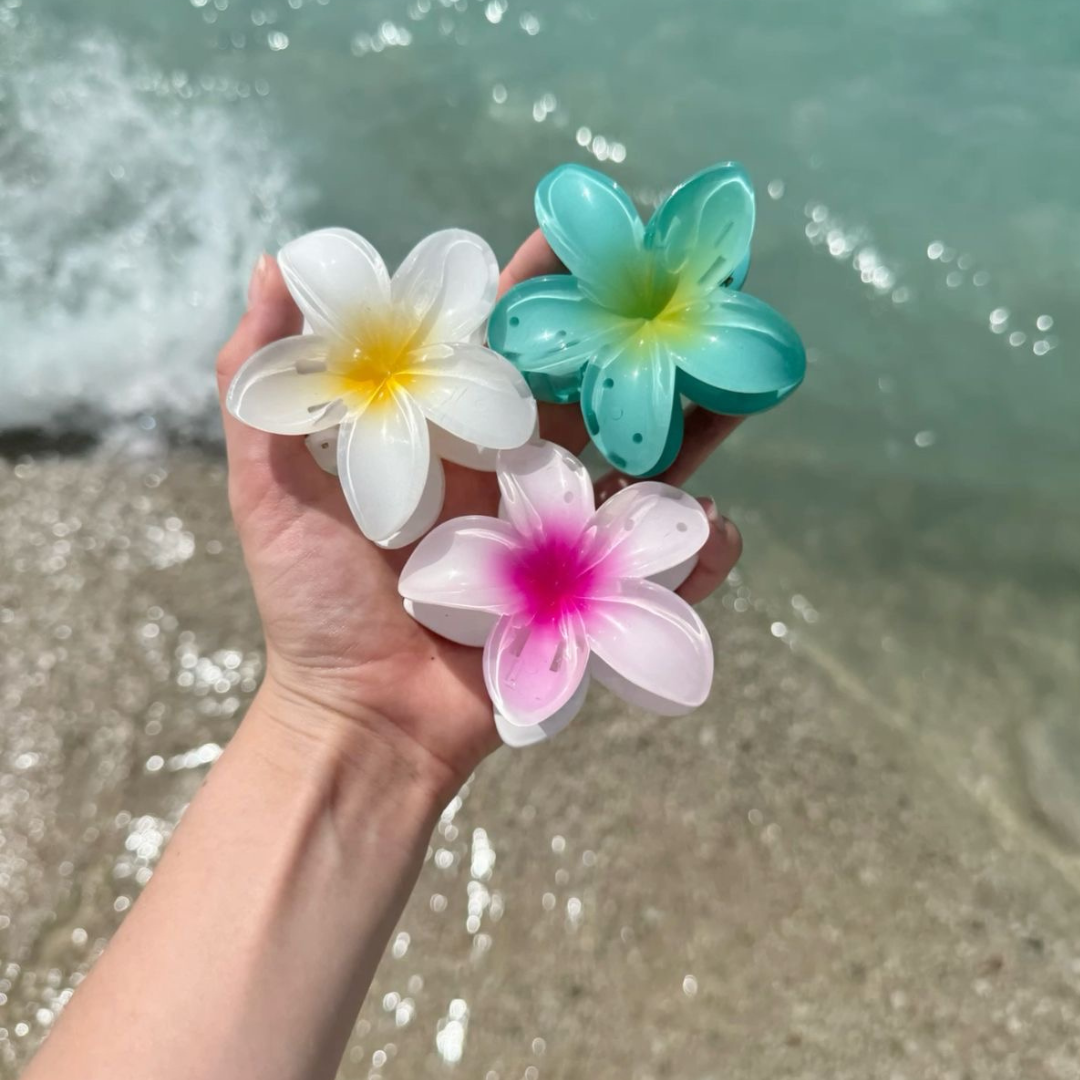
{"points": [[133, 206]]}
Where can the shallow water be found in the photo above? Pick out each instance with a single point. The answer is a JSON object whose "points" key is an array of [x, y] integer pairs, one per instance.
{"points": [[883, 801]]}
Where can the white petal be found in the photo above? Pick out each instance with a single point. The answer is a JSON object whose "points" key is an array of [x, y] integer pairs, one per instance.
{"points": [[322, 445], [654, 640], [517, 735], [284, 388], [448, 282], [461, 452], [463, 564], [334, 275], [427, 509], [649, 527], [474, 394], [545, 489], [383, 461], [455, 624], [533, 668]]}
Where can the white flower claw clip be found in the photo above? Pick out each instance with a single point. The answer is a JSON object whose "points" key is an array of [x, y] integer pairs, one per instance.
{"points": [[391, 378]]}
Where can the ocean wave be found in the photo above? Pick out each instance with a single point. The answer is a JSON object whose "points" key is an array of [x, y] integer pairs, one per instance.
{"points": [[135, 203]]}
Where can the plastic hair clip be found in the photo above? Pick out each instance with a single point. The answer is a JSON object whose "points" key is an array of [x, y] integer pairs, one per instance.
{"points": [[558, 592], [390, 377], [647, 313]]}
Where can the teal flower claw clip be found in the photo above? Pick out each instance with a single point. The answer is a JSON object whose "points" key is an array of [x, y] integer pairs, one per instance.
{"points": [[647, 313]]}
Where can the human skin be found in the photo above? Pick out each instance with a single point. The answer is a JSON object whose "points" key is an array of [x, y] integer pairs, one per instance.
{"points": [[253, 946]]}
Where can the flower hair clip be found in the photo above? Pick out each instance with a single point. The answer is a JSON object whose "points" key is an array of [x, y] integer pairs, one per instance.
{"points": [[648, 313], [558, 592], [391, 375]]}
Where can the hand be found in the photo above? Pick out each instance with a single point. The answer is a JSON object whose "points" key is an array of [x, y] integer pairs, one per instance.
{"points": [[344, 660]]}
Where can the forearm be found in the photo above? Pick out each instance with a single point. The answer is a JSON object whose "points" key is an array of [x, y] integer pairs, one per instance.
{"points": [[254, 944]]}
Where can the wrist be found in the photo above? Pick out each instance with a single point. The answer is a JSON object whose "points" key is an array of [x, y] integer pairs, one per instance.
{"points": [[348, 754]]}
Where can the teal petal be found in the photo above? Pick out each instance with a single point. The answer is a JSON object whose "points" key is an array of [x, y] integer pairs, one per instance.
{"points": [[735, 354], [592, 225], [549, 330], [702, 231], [738, 276], [630, 405]]}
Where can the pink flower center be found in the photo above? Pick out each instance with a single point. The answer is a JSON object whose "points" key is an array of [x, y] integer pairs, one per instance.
{"points": [[552, 577]]}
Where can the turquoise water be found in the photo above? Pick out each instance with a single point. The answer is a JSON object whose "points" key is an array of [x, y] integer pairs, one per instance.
{"points": [[915, 163], [172, 139]]}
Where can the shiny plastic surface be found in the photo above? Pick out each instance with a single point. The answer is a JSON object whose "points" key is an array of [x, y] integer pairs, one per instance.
{"points": [[559, 591], [647, 313], [390, 378]]}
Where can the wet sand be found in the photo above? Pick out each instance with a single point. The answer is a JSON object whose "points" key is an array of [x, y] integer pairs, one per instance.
{"points": [[828, 871]]}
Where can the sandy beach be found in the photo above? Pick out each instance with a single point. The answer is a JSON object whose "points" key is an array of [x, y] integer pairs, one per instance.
{"points": [[802, 879]]}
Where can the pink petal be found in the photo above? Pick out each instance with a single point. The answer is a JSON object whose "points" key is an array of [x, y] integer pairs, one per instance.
{"points": [[516, 735], [458, 565], [649, 527], [654, 640], [455, 624], [545, 490], [532, 669]]}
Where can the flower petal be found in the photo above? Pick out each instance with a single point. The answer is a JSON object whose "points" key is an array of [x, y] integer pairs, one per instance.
{"points": [[460, 564], [383, 462], [703, 228], [737, 355], [592, 225], [532, 669], [460, 451], [545, 490], [467, 454], [333, 275], [655, 641], [648, 528], [473, 393], [630, 406], [322, 445], [674, 577], [427, 509], [738, 275], [284, 388], [549, 330], [448, 283], [463, 627], [516, 735]]}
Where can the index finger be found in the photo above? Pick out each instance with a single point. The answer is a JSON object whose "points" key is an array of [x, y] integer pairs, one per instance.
{"points": [[532, 259]]}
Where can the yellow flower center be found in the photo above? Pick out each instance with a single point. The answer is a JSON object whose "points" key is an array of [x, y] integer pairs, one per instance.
{"points": [[375, 357]]}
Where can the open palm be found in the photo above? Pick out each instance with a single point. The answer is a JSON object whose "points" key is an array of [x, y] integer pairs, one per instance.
{"points": [[336, 633]]}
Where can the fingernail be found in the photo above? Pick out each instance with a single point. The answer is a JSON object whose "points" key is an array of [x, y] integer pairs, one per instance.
{"points": [[711, 512], [258, 279]]}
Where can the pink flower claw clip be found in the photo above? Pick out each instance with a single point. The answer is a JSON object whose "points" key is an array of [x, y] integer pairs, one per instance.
{"points": [[390, 378], [558, 592]]}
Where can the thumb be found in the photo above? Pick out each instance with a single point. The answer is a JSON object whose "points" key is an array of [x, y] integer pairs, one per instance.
{"points": [[271, 315]]}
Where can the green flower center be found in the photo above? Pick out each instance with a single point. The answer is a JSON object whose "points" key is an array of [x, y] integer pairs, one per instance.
{"points": [[645, 289]]}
